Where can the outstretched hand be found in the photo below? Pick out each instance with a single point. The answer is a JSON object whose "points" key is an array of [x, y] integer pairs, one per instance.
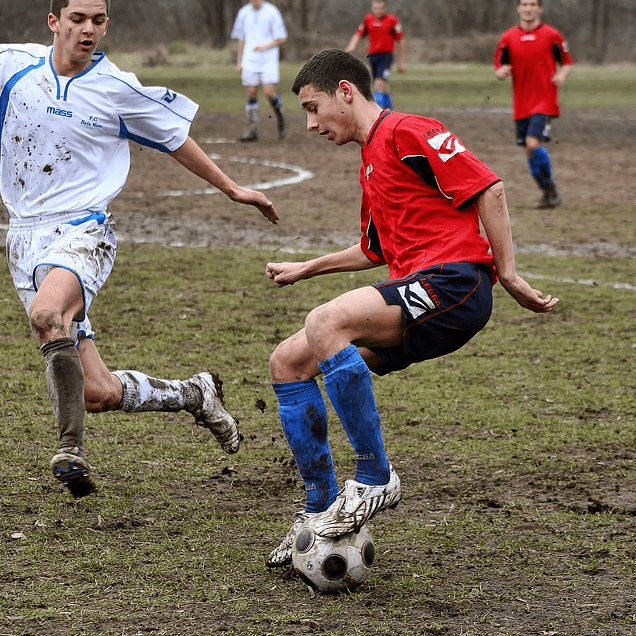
{"points": [[260, 201], [528, 297]]}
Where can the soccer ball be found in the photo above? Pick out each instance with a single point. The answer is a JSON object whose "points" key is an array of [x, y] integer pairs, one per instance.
{"points": [[333, 564]]}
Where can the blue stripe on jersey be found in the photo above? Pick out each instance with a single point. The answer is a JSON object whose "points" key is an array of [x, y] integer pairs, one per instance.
{"points": [[124, 133], [8, 87], [95, 61], [165, 101]]}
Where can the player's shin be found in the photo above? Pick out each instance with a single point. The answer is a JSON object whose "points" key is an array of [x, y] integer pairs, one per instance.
{"points": [[541, 167], [348, 384], [303, 415], [65, 382]]}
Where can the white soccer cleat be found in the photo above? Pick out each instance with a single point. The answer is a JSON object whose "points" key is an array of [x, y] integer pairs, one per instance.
{"points": [[282, 555], [212, 414], [355, 504]]}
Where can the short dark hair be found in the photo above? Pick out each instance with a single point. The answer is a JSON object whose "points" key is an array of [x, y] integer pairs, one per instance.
{"points": [[539, 2], [325, 70], [57, 6]]}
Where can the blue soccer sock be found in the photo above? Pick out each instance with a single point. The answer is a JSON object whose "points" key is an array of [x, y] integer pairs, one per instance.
{"points": [[303, 414], [541, 167], [348, 384], [379, 98], [388, 101]]}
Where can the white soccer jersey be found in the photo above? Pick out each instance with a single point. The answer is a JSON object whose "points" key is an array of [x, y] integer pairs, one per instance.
{"points": [[64, 141], [255, 27]]}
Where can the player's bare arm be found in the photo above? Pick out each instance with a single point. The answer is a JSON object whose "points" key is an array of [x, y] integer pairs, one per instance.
{"points": [[355, 40], [271, 45], [351, 259], [493, 212], [192, 157]]}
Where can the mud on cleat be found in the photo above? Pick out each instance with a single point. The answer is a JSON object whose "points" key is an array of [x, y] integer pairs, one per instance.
{"points": [[356, 504], [71, 469], [212, 415], [282, 555]]}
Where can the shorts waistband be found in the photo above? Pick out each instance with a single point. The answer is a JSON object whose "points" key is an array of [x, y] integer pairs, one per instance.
{"points": [[72, 218]]}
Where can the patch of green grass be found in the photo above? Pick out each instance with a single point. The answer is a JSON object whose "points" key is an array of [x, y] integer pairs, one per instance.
{"points": [[516, 454]]}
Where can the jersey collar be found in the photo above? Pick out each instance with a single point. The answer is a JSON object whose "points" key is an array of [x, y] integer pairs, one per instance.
{"points": [[385, 113]]}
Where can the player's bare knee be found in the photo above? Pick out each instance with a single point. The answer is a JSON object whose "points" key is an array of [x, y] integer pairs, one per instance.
{"points": [[46, 322], [277, 366], [322, 321]]}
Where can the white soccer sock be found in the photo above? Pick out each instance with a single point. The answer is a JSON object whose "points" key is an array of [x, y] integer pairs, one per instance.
{"points": [[143, 393]]}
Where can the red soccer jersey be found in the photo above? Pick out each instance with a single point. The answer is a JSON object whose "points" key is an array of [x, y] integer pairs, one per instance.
{"points": [[419, 185], [382, 32], [534, 56]]}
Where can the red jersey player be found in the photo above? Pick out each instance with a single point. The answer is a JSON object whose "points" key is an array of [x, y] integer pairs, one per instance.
{"points": [[531, 53], [383, 29], [423, 196]]}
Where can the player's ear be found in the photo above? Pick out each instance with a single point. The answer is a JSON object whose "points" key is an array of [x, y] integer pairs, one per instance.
{"points": [[54, 23], [347, 90]]}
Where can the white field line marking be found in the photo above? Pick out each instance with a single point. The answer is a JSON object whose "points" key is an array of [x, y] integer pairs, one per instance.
{"points": [[578, 281], [300, 174]]}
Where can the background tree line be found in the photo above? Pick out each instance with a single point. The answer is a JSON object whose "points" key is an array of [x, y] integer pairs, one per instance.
{"points": [[598, 31]]}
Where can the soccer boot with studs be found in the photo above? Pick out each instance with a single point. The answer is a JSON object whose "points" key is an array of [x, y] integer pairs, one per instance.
{"points": [[211, 414], [355, 504], [70, 467], [281, 556]]}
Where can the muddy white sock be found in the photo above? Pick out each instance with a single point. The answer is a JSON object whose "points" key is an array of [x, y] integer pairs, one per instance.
{"points": [[143, 393]]}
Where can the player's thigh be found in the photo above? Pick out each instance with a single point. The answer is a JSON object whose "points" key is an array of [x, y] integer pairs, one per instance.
{"points": [[60, 293], [360, 316]]}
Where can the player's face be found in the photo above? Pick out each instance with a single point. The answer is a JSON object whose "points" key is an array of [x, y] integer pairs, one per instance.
{"points": [[77, 33], [529, 10], [256, 3], [327, 115], [378, 9]]}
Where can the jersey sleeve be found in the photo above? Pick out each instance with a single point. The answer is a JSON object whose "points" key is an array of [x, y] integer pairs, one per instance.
{"points": [[502, 53], [562, 53], [238, 29], [396, 29], [442, 160], [152, 116], [279, 31]]}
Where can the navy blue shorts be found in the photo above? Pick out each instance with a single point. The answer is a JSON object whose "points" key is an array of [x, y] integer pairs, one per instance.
{"points": [[381, 65], [443, 307], [538, 126]]}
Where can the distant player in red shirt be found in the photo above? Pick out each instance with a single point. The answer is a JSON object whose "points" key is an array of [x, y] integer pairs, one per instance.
{"points": [[531, 53], [383, 29], [423, 196]]}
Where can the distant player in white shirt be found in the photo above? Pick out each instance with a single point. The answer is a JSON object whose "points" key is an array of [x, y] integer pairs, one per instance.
{"points": [[260, 30], [66, 115]]}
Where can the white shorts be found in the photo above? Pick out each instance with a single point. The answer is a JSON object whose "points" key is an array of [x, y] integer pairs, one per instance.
{"points": [[269, 75], [85, 245]]}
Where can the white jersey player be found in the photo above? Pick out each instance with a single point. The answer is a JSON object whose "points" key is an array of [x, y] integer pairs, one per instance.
{"points": [[260, 30], [66, 117]]}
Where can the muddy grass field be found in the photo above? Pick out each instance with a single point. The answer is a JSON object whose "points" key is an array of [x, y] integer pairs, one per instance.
{"points": [[547, 543]]}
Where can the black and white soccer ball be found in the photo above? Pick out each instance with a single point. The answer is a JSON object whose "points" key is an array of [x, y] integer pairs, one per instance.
{"points": [[333, 564]]}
